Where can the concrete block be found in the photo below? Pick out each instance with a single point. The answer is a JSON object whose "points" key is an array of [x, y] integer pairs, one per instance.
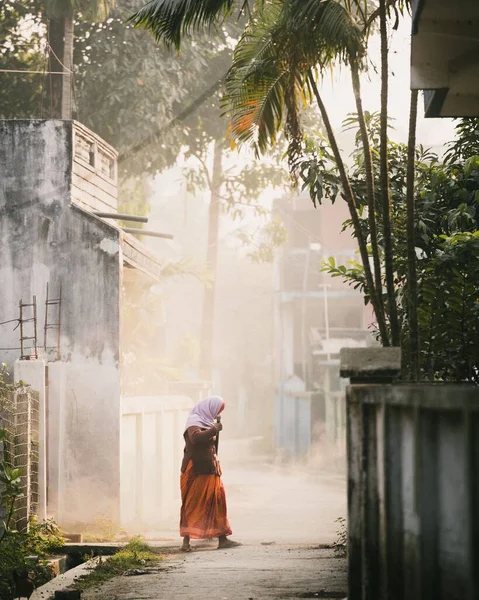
{"points": [[74, 538], [67, 594], [370, 364]]}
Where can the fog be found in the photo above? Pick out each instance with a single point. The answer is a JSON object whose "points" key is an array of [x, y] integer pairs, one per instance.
{"points": [[237, 304], [274, 494]]}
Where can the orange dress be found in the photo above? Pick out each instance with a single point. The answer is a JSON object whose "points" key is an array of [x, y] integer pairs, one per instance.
{"points": [[203, 510]]}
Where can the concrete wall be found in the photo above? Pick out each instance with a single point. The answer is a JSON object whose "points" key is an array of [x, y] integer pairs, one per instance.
{"points": [[413, 492], [45, 238]]}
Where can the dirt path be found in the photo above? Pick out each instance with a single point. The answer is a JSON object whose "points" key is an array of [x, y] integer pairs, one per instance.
{"points": [[253, 572], [290, 509]]}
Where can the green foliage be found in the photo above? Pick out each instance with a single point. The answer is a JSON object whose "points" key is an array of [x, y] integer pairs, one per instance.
{"points": [[262, 243], [466, 143], [23, 48], [92, 10], [169, 20], [143, 89], [20, 50], [268, 84], [42, 540], [135, 555], [447, 238]]}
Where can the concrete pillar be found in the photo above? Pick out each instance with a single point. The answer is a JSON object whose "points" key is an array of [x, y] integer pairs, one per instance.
{"points": [[32, 372], [55, 421]]}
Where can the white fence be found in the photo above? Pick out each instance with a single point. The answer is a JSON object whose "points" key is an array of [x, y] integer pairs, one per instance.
{"points": [[150, 460]]}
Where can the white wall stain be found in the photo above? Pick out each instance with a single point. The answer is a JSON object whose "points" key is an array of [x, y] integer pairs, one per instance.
{"points": [[109, 246]]}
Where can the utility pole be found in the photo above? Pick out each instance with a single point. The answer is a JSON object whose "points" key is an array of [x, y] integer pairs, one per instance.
{"points": [[59, 97]]}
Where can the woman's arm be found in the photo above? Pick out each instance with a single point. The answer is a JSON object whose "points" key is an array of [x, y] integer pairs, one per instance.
{"points": [[197, 436]]}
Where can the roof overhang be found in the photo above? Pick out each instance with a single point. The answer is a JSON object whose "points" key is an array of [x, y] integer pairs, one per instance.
{"points": [[136, 255], [133, 252], [445, 56]]}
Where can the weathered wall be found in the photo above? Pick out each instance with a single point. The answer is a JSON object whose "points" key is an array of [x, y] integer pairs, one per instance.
{"points": [[44, 238], [413, 472]]}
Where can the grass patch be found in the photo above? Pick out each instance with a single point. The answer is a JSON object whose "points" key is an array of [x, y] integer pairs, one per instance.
{"points": [[135, 555]]}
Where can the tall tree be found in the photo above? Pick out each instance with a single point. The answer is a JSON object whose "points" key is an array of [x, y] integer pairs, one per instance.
{"points": [[412, 284], [286, 43], [60, 36], [385, 190]]}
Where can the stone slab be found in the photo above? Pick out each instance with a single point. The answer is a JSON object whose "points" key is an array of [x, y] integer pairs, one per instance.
{"points": [[370, 363]]}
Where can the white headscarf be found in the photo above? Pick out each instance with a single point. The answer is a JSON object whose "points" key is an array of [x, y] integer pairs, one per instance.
{"points": [[205, 412]]}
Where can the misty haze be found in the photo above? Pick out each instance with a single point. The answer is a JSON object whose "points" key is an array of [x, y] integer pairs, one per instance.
{"points": [[239, 274]]}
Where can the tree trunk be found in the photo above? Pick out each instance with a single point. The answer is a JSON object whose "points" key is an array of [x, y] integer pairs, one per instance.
{"points": [[411, 245], [349, 197], [368, 161], [209, 298], [59, 96], [385, 193]]}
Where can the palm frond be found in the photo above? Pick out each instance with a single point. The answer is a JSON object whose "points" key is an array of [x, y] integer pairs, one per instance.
{"points": [[259, 85], [325, 29], [268, 82], [170, 20]]}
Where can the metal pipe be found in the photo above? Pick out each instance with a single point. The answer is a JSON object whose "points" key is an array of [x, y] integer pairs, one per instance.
{"points": [[136, 231], [121, 217]]}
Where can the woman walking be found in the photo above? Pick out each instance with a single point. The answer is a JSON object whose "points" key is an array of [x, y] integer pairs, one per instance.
{"points": [[203, 509]]}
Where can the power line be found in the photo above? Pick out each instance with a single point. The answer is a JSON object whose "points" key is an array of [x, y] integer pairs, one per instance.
{"points": [[181, 116], [26, 71], [11, 321]]}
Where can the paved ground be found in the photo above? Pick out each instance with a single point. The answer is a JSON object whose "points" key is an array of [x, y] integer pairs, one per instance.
{"points": [[272, 503], [253, 572], [282, 515]]}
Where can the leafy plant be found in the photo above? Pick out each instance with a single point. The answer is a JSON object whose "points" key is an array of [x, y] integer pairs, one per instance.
{"points": [[446, 235], [41, 540], [135, 555], [11, 491]]}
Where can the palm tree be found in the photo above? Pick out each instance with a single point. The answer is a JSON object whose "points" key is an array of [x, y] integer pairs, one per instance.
{"points": [[284, 48], [272, 75], [414, 347], [384, 175], [61, 15]]}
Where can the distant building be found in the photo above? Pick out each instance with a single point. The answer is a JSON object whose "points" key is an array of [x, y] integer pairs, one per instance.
{"points": [[445, 57], [315, 316]]}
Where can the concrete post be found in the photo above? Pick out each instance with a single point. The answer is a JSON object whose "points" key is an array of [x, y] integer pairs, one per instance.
{"points": [[32, 372], [370, 365], [57, 373]]}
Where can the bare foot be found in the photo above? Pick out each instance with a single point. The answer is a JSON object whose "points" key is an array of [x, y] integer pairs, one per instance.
{"points": [[187, 548], [225, 543]]}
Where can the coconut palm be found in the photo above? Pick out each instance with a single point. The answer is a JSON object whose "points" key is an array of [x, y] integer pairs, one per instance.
{"points": [[286, 46]]}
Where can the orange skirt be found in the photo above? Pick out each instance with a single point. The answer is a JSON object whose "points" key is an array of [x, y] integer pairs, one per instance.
{"points": [[203, 508]]}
